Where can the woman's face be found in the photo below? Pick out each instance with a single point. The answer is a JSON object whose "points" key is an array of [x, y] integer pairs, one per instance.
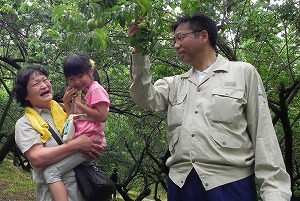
{"points": [[39, 91]]}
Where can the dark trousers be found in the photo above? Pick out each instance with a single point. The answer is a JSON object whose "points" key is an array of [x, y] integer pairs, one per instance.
{"points": [[193, 190]]}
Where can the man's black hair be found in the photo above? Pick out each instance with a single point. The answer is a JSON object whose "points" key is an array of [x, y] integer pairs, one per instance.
{"points": [[198, 22]]}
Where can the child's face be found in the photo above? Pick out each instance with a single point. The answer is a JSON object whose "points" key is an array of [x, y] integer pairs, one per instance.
{"points": [[80, 82]]}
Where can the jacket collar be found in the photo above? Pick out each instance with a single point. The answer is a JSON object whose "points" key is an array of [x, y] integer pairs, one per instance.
{"points": [[220, 65]]}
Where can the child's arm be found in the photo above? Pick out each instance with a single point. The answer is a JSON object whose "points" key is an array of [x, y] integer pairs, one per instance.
{"points": [[99, 112]]}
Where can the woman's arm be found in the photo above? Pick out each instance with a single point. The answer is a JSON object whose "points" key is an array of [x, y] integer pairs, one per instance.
{"points": [[41, 156]]}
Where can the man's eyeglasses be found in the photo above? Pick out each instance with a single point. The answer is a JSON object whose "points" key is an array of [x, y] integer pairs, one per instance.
{"points": [[181, 36]]}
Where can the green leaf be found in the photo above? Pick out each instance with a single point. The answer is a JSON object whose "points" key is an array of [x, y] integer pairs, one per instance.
{"points": [[101, 36], [145, 6], [58, 11]]}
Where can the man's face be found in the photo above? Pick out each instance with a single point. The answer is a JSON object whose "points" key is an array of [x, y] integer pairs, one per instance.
{"points": [[39, 91], [187, 44]]}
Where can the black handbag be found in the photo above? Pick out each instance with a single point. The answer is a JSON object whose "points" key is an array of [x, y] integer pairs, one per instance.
{"points": [[93, 183]]}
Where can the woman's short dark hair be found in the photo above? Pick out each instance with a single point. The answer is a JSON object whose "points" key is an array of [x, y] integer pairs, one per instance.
{"points": [[21, 82], [198, 22], [77, 64]]}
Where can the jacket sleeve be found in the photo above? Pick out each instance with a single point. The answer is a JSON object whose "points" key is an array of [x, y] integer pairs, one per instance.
{"points": [[269, 165], [146, 95]]}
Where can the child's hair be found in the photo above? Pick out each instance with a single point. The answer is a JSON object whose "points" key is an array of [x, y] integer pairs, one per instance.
{"points": [[77, 64]]}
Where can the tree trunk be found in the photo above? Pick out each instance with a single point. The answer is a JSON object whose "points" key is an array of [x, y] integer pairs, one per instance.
{"points": [[284, 117], [7, 147]]}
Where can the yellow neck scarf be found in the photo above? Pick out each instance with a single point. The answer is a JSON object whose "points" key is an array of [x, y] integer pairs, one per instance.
{"points": [[38, 123]]}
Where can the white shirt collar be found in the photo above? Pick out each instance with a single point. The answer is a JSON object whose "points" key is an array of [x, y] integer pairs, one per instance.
{"points": [[202, 74]]}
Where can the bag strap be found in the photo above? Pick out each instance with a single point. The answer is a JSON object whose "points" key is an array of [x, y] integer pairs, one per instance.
{"points": [[55, 136], [81, 117], [72, 107]]}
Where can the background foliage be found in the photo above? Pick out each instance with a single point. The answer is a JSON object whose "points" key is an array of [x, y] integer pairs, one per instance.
{"points": [[263, 33]]}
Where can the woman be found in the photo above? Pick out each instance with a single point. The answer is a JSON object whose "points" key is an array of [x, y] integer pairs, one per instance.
{"points": [[34, 92]]}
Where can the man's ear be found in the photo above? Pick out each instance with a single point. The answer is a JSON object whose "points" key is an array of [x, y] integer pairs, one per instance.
{"points": [[204, 35]]}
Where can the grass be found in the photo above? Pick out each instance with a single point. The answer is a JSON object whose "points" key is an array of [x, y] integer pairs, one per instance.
{"points": [[15, 183]]}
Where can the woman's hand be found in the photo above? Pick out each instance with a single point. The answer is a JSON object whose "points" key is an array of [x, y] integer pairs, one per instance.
{"points": [[90, 147]]}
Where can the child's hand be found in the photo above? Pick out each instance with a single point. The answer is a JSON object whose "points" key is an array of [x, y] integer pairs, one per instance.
{"points": [[77, 97], [69, 94]]}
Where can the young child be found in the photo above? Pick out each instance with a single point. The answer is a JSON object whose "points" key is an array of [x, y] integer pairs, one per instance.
{"points": [[81, 76]]}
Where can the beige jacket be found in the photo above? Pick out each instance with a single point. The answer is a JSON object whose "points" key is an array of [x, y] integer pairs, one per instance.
{"points": [[220, 126], [26, 137]]}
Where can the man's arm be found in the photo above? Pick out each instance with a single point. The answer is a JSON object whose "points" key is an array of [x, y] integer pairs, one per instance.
{"points": [[269, 165]]}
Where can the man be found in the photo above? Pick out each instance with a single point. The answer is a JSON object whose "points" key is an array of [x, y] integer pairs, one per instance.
{"points": [[220, 132], [115, 178]]}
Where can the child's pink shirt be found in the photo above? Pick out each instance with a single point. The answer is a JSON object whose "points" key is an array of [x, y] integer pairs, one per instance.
{"points": [[95, 94]]}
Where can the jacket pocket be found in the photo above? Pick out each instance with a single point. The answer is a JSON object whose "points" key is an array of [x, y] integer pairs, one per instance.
{"points": [[176, 109], [173, 139], [226, 104], [226, 141]]}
